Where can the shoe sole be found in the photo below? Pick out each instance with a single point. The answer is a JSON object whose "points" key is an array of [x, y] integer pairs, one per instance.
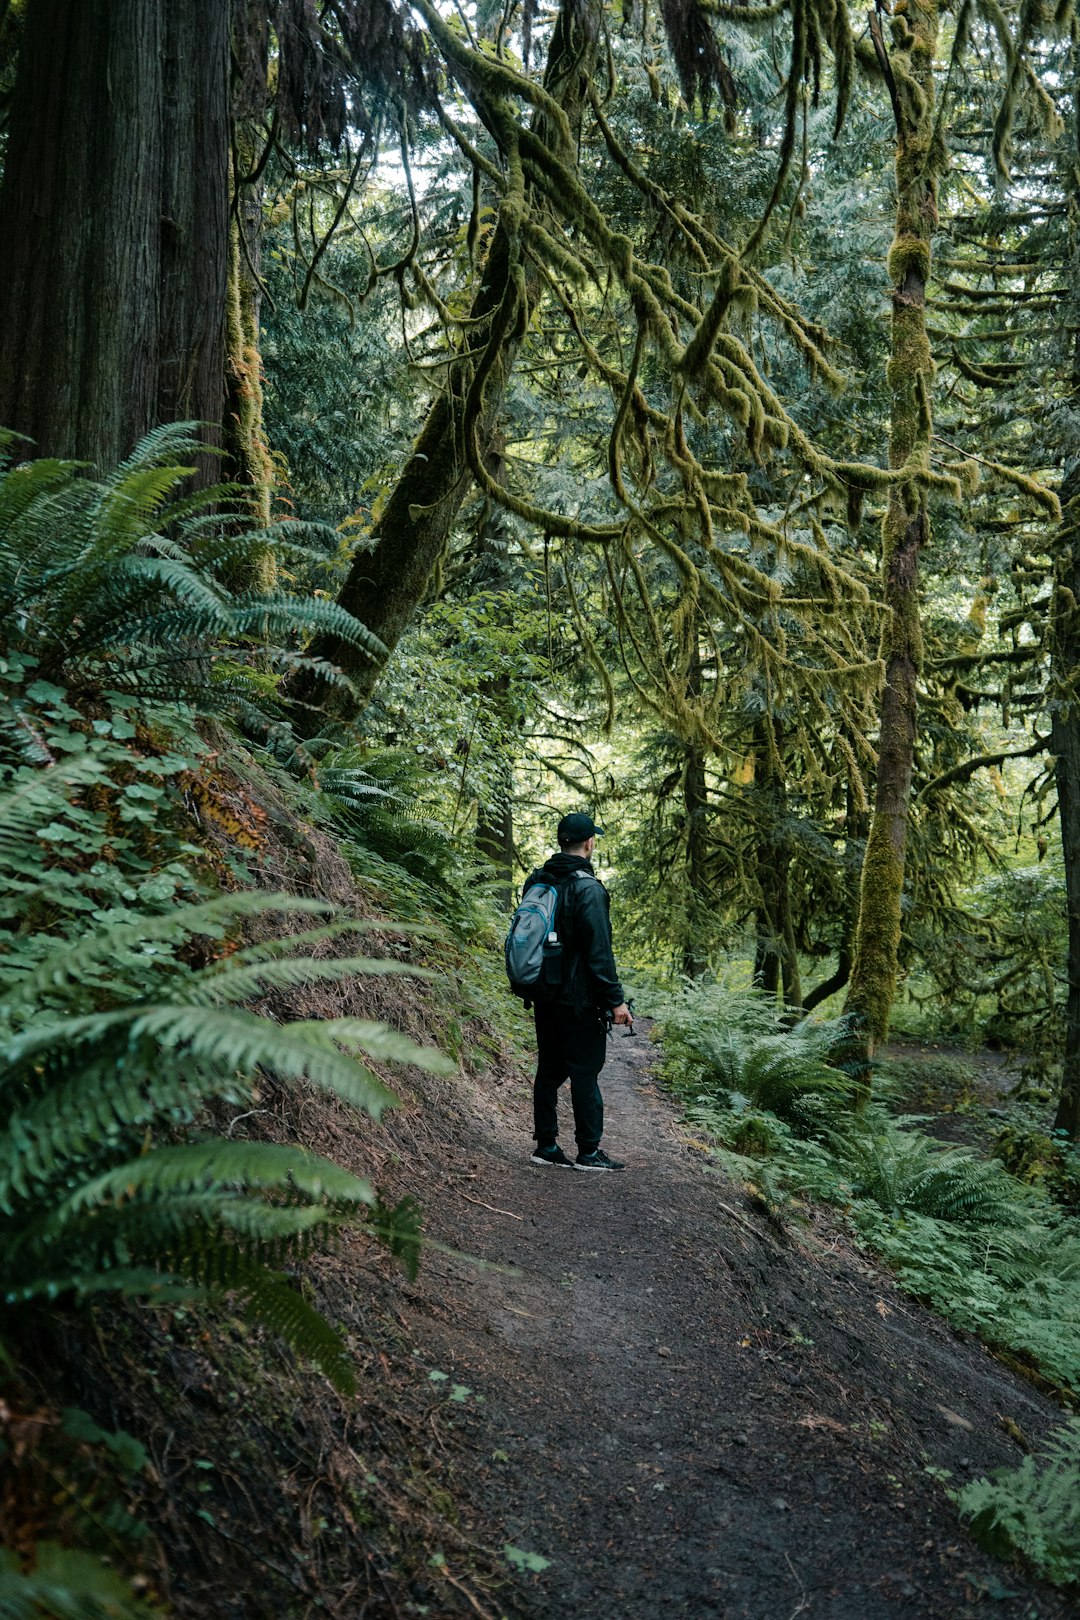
{"points": [[601, 1169], [550, 1164]]}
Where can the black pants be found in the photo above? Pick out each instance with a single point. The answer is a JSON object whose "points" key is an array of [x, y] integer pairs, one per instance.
{"points": [[569, 1046]]}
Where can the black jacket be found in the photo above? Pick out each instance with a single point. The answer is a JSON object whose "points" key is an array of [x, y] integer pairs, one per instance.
{"points": [[583, 923]]}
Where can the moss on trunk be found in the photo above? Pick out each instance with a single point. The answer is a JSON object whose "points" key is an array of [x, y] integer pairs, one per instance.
{"points": [[905, 528]]}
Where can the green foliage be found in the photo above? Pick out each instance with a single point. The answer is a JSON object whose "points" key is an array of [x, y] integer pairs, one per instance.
{"points": [[995, 1256], [126, 984], [1032, 1509], [899, 1170], [1044, 1158], [729, 1044], [110, 1032], [127, 582], [66, 1584], [998, 967]]}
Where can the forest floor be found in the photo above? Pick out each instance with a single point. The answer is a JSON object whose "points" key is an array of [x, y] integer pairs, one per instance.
{"points": [[683, 1409]]}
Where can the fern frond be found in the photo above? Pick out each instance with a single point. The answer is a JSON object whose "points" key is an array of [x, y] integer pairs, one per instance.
{"points": [[67, 1585], [378, 1041], [196, 1166], [271, 1300], [230, 984], [1032, 1509], [73, 962]]}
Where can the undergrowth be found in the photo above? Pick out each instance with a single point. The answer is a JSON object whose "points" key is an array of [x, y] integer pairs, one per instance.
{"points": [[994, 1254], [128, 966], [1032, 1509]]}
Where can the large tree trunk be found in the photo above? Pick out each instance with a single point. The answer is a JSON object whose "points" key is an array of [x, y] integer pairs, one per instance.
{"points": [[113, 223], [905, 530], [249, 462], [385, 586]]}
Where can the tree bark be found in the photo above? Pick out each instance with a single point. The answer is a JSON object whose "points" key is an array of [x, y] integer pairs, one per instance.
{"points": [[1064, 692], [386, 585], [1065, 742], [776, 958], [113, 218], [249, 462], [695, 958], [919, 157]]}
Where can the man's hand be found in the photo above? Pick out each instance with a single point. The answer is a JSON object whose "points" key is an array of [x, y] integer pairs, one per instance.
{"points": [[621, 1014]]}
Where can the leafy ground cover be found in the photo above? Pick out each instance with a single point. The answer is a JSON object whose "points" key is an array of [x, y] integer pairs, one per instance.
{"points": [[996, 1253]]}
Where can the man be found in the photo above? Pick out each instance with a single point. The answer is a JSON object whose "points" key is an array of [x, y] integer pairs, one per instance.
{"points": [[571, 1032]]}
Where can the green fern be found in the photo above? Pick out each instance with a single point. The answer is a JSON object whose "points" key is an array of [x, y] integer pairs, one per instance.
{"points": [[906, 1171], [122, 582], [111, 1042], [727, 1043], [1032, 1509], [66, 1585]]}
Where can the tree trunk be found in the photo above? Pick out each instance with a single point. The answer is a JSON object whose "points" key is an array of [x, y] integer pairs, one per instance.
{"points": [[113, 217], [385, 586], [905, 530], [495, 843], [248, 455], [1065, 742], [776, 959], [695, 958]]}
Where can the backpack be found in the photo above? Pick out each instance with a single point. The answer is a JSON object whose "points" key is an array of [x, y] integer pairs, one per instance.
{"points": [[530, 926]]}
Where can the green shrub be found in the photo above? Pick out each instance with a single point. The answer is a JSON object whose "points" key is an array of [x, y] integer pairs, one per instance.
{"points": [[902, 1170], [123, 583], [125, 988], [1032, 1509], [995, 1257], [728, 1044], [111, 1040]]}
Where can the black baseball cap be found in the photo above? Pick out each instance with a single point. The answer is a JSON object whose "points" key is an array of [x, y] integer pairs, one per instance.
{"points": [[575, 828]]}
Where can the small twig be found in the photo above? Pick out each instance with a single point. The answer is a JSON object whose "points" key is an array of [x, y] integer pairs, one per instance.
{"points": [[249, 1115], [464, 1590], [803, 1600], [743, 1222], [492, 1208]]}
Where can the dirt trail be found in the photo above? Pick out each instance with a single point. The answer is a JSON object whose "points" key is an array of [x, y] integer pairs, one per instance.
{"points": [[686, 1413]]}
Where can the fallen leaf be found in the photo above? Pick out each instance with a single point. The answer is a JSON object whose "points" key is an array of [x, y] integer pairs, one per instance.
{"points": [[882, 1309]]}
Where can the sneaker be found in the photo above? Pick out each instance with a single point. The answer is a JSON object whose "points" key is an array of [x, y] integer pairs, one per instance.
{"points": [[597, 1160], [553, 1155]]}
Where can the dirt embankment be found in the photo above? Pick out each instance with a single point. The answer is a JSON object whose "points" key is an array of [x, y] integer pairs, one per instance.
{"points": [[686, 1412]]}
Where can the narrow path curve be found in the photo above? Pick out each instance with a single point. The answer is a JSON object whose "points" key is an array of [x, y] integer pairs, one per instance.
{"points": [[682, 1410]]}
